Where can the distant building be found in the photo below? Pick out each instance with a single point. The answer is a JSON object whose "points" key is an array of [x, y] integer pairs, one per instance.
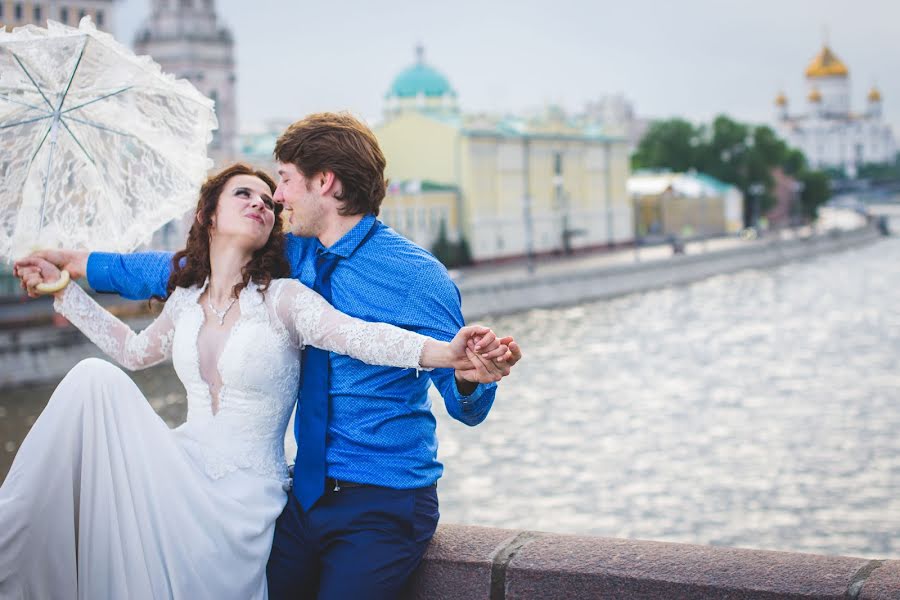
{"points": [[829, 133], [616, 114], [256, 146], [67, 12], [541, 184], [788, 208], [422, 89], [419, 209], [186, 38], [684, 204]]}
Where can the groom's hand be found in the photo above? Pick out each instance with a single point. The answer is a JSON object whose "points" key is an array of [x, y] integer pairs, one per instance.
{"points": [[484, 370], [476, 341]]}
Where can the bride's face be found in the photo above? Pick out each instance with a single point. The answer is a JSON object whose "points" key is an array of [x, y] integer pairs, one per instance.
{"points": [[245, 211]]}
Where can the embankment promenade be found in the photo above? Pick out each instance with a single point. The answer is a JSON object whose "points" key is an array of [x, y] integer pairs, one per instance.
{"points": [[564, 282]]}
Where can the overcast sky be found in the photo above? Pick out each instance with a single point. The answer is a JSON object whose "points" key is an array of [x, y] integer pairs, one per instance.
{"points": [[691, 58]]}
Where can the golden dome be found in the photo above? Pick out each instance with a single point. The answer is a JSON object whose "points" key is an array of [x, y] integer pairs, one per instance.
{"points": [[815, 96], [826, 64], [780, 99], [874, 95]]}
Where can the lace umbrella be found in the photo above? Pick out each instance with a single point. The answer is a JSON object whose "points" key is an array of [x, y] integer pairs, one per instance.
{"points": [[98, 147]]}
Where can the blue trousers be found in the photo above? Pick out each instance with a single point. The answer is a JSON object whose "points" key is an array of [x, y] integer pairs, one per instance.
{"points": [[359, 542]]}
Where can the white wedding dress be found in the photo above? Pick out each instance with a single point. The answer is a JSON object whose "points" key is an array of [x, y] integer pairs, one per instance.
{"points": [[103, 500]]}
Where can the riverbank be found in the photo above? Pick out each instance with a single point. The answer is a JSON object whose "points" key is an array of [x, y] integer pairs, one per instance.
{"points": [[561, 283], [36, 355]]}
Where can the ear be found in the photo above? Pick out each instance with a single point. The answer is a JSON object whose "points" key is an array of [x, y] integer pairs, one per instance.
{"points": [[328, 183]]}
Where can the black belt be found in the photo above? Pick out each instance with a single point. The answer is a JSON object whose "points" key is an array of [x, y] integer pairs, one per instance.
{"points": [[336, 485]]}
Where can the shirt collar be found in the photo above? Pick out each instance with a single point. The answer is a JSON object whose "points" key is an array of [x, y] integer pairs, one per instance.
{"points": [[351, 240]]}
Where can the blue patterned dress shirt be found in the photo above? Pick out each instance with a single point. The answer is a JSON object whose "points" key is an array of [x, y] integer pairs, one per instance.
{"points": [[381, 430]]}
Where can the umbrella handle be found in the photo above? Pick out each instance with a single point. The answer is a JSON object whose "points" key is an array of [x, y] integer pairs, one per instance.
{"points": [[51, 287]]}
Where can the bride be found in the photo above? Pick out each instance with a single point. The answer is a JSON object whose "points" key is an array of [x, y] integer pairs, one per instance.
{"points": [[103, 500]]}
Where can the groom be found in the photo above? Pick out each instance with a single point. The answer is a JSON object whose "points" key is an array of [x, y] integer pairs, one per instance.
{"points": [[364, 501]]}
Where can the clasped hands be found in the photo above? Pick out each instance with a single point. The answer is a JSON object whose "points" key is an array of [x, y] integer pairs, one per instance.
{"points": [[479, 356]]}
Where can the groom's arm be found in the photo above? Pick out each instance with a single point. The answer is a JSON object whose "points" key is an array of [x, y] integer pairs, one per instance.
{"points": [[134, 276], [433, 308], [145, 274]]}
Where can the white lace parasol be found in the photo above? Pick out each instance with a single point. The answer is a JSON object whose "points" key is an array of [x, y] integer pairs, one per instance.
{"points": [[98, 147]]}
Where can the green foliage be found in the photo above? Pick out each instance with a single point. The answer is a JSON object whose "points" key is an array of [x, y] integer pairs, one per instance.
{"points": [[881, 172], [816, 190], [736, 153], [670, 144], [451, 254]]}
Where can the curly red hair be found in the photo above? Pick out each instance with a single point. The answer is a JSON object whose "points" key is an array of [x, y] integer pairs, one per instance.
{"points": [[190, 266]]}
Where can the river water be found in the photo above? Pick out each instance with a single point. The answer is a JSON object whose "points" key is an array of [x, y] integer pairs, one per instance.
{"points": [[759, 409]]}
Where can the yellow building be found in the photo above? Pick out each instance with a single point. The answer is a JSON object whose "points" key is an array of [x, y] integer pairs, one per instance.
{"points": [[418, 209], [15, 13], [684, 204], [523, 185]]}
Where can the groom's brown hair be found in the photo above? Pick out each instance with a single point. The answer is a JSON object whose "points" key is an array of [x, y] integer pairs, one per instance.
{"points": [[344, 145]]}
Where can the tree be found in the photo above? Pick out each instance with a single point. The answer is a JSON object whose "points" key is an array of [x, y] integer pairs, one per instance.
{"points": [[451, 254], [816, 191], [880, 172], [667, 144], [733, 152]]}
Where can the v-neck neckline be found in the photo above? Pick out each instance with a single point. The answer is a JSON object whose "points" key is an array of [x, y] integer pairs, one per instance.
{"points": [[215, 400]]}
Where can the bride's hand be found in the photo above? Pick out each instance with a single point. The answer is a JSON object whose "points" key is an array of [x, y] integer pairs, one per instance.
{"points": [[34, 271], [481, 341]]}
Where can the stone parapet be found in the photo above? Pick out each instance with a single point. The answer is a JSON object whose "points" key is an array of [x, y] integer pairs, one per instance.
{"points": [[474, 563]]}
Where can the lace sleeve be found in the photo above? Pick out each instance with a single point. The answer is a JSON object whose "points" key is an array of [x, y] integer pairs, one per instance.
{"points": [[312, 321], [133, 351]]}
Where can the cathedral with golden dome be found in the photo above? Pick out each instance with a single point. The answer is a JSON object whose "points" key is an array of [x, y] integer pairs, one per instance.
{"points": [[829, 133]]}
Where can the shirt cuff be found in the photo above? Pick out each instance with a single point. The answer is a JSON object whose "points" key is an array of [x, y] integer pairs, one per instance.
{"points": [[99, 267], [468, 402]]}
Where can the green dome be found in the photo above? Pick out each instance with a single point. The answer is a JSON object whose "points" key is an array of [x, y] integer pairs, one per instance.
{"points": [[420, 79]]}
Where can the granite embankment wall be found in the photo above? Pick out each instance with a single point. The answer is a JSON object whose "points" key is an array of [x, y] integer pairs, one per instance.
{"points": [[474, 563], [482, 298]]}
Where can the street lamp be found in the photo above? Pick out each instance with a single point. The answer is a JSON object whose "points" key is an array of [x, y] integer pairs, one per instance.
{"points": [[756, 190], [526, 203]]}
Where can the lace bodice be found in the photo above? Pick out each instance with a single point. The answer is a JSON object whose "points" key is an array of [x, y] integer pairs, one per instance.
{"points": [[258, 366]]}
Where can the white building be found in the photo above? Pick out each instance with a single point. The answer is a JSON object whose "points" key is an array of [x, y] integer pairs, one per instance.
{"points": [[68, 12], [616, 114], [187, 40], [828, 132]]}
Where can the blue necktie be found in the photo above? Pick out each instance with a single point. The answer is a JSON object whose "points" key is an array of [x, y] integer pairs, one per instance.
{"points": [[311, 421]]}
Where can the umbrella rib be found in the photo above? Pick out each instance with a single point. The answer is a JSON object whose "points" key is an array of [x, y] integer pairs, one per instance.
{"points": [[54, 130], [36, 86], [26, 121], [68, 110], [41, 145], [77, 141], [19, 102], [74, 70], [98, 126]]}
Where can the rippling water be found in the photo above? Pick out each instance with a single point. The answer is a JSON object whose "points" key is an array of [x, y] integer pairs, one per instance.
{"points": [[760, 409]]}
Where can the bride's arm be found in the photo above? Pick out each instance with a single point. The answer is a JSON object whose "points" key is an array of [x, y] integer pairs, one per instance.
{"points": [[314, 322], [131, 350]]}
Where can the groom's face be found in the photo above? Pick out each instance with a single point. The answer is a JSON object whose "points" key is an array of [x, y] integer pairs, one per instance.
{"points": [[304, 205]]}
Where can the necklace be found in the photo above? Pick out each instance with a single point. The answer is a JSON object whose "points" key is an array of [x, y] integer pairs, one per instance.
{"points": [[220, 314]]}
